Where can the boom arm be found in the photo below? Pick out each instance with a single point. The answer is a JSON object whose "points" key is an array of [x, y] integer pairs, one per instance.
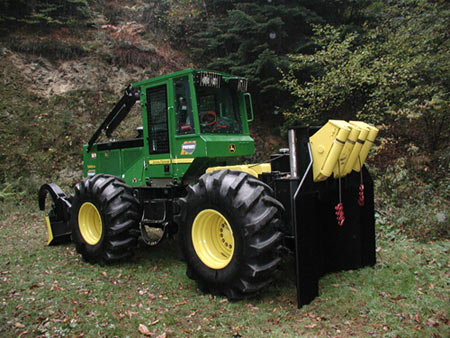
{"points": [[119, 112]]}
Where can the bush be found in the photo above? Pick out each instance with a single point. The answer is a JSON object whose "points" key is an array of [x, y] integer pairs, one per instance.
{"points": [[128, 54], [43, 13], [397, 69], [407, 204], [49, 48]]}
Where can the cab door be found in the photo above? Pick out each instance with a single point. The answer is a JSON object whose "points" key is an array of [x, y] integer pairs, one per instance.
{"points": [[159, 163]]}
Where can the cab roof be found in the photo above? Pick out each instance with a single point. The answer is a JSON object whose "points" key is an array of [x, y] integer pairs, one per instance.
{"points": [[181, 73]]}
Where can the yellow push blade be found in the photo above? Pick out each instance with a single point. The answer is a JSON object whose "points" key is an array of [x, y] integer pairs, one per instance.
{"points": [[49, 230], [339, 169], [326, 146], [58, 231], [353, 158], [370, 139]]}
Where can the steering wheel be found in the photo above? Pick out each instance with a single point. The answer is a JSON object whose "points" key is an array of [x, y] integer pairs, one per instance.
{"points": [[209, 118]]}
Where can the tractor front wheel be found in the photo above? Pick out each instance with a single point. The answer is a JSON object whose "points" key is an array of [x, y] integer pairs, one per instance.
{"points": [[104, 219], [230, 233]]}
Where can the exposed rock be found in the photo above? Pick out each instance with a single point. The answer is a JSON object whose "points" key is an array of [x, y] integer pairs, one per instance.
{"points": [[48, 79], [4, 51]]}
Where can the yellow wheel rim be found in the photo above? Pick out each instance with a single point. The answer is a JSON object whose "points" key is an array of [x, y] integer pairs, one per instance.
{"points": [[213, 239], [90, 223]]}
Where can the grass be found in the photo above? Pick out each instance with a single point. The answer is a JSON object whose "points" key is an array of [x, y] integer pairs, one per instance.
{"points": [[50, 291]]}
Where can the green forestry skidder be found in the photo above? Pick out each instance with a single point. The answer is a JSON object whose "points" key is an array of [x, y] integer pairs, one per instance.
{"points": [[179, 176]]}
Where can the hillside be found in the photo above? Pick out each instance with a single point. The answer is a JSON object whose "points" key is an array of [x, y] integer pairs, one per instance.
{"points": [[57, 85], [64, 66]]}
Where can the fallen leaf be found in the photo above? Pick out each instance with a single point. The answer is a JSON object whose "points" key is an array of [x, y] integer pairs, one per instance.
{"points": [[34, 286], [144, 330], [395, 299], [311, 326], [130, 313], [417, 318], [431, 322], [190, 315], [104, 273], [384, 294], [180, 303], [19, 325], [155, 322]]}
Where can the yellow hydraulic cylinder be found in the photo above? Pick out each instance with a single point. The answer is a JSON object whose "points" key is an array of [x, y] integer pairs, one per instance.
{"points": [[326, 146], [370, 139], [346, 151]]}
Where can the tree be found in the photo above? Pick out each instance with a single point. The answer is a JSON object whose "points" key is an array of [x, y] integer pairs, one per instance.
{"points": [[252, 39], [396, 68], [49, 12]]}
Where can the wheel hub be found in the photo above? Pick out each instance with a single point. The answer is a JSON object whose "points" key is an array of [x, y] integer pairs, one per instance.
{"points": [[90, 223], [213, 239]]}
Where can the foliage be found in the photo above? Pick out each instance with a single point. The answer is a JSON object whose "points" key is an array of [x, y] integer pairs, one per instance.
{"points": [[398, 67], [48, 12], [252, 39], [176, 20], [50, 291], [128, 54], [53, 49], [420, 210]]}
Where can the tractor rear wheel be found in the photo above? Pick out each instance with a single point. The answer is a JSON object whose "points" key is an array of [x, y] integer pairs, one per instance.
{"points": [[230, 233], [104, 219]]}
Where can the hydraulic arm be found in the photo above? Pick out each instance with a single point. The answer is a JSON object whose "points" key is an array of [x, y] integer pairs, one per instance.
{"points": [[119, 112]]}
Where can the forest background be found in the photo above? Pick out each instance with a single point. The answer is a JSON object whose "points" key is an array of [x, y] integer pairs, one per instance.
{"points": [[64, 64]]}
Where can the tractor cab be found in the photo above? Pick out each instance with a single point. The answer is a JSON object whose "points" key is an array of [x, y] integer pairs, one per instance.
{"points": [[191, 120]]}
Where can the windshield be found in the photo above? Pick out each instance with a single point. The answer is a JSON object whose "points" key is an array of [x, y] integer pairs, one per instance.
{"points": [[218, 110]]}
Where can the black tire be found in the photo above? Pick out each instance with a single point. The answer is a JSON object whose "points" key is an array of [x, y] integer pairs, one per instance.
{"points": [[118, 216], [254, 217]]}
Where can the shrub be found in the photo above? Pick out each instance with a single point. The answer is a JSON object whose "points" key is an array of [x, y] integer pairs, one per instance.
{"points": [[408, 205], [128, 54], [49, 48]]}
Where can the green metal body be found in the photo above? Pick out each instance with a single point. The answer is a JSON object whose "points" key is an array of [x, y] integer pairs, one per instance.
{"points": [[189, 153]]}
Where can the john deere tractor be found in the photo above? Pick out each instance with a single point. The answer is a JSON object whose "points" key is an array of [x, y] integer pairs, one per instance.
{"points": [[180, 177]]}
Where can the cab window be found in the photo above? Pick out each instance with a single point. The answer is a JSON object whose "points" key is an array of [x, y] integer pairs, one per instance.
{"points": [[183, 107], [218, 110]]}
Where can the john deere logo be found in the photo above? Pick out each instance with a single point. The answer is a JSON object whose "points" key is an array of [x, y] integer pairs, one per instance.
{"points": [[232, 148]]}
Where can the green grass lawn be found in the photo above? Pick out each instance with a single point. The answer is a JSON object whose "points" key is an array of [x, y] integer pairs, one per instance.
{"points": [[50, 291]]}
